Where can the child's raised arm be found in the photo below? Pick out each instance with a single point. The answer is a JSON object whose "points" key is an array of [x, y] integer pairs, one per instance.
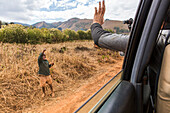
{"points": [[40, 56]]}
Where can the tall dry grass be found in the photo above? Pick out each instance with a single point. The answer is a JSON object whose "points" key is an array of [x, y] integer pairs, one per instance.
{"points": [[19, 82]]}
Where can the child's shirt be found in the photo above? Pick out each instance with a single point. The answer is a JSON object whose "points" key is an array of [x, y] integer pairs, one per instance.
{"points": [[43, 66]]}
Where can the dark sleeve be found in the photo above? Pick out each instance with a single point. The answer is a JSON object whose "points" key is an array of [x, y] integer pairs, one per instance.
{"points": [[96, 32], [40, 58], [50, 65], [108, 40]]}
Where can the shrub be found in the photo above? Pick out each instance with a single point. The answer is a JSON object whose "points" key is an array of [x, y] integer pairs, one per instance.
{"points": [[57, 35], [88, 32], [34, 35], [1, 35], [82, 34], [46, 36], [14, 33], [72, 34]]}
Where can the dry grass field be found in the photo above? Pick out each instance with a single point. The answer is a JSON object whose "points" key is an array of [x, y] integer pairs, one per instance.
{"points": [[75, 63]]}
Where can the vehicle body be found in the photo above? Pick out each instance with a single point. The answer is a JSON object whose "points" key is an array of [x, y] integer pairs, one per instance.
{"points": [[130, 91]]}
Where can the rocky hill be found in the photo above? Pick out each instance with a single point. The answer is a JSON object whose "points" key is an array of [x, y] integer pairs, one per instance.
{"points": [[80, 24], [43, 24]]}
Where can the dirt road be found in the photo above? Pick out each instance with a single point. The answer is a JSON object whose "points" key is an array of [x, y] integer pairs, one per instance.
{"points": [[79, 71], [80, 93]]}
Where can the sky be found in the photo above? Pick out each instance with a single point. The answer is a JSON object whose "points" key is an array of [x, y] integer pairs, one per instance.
{"points": [[32, 11]]}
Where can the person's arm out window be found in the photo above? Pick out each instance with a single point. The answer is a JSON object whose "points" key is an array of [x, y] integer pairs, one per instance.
{"points": [[108, 40]]}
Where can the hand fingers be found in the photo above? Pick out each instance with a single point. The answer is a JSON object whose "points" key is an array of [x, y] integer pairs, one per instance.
{"points": [[95, 10], [103, 7], [99, 7]]}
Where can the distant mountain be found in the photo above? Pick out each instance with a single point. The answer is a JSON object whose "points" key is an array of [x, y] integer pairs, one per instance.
{"points": [[43, 24], [79, 24], [76, 24], [21, 24], [111, 24], [57, 24]]}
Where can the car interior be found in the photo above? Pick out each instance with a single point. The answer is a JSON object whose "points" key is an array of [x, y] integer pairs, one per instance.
{"points": [[141, 89], [162, 86]]}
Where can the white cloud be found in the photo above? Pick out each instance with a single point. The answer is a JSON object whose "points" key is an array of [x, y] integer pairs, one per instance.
{"points": [[82, 1], [121, 9], [28, 11]]}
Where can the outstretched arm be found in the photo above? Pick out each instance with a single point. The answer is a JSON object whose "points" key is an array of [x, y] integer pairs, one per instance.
{"points": [[40, 56], [104, 38]]}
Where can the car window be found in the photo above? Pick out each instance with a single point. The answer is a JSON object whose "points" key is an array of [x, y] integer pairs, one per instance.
{"points": [[47, 53]]}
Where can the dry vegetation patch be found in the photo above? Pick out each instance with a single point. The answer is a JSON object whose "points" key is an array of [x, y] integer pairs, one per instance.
{"points": [[19, 82]]}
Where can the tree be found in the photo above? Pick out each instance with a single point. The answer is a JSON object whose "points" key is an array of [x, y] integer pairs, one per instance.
{"points": [[11, 23], [72, 34], [14, 33], [88, 32], [6, 23], [82, 34], [56, 35]]}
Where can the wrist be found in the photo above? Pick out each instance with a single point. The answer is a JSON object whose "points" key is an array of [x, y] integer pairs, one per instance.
{"points": [[94, 25], [96, 22]]}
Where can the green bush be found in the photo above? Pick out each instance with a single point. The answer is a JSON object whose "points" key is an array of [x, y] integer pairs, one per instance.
{"points": [[72, 34], [14, 33], [46, 36], [82, 34], [88, 32], [34, 35], [1, 35], [65, 38], [57, 35]]}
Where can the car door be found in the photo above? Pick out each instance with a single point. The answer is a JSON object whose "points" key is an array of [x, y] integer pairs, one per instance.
{"points": [[124, 92]]}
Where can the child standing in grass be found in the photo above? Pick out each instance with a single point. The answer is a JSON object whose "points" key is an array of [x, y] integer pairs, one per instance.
{"points": [[44, 72]]}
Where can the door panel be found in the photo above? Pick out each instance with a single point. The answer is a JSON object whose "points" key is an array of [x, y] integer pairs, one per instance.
{"points": [[97, 99], [122, 100]]}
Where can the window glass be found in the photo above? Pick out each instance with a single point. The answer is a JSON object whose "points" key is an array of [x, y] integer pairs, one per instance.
{"points": [[73, 67]]}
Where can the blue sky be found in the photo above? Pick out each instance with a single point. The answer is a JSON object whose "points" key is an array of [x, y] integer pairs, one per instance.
{"points": [[32, 11]]}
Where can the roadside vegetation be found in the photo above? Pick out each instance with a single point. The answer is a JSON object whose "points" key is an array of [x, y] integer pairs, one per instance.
{"points": [[14, 33]]}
